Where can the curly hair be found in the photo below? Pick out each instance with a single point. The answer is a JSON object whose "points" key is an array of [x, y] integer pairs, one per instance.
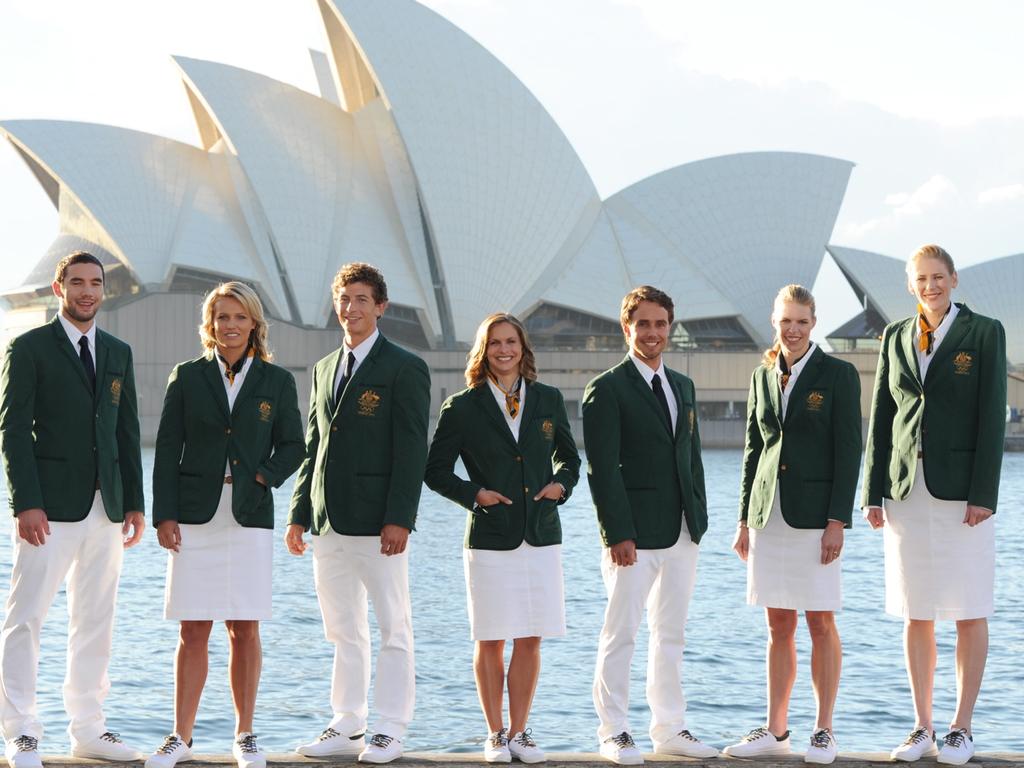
{"points": [[645, 293], [359, 272], [796, 294], [250, 301], [477, 367]]}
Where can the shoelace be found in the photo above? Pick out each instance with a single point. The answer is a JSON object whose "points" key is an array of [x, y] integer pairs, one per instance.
{"points": [[821, 739], [688, 736], [171, 743], [916, 737], [247, 742], [380, 740], [955, 738], [329, 733], [113, 738], [524, 739], [757, 733], [499, 739], [623, 740], [26, 743]]}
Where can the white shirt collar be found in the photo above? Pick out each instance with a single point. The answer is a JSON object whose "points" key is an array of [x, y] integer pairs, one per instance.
{"points": [[798, 366], [362, 349], [646, 371], [74, 334], [939, 333]]}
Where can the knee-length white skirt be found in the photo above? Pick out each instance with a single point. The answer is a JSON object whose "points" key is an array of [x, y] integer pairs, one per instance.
{"points": [[936, 566], [515, 593], [784, 568], [222, 571]]}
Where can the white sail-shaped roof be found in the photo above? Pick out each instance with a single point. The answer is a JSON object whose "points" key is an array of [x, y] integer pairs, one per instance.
{"points": [[722, 235], [500, 185], [152, 202]]}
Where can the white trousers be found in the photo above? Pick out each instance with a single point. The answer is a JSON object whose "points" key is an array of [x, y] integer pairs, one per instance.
{"points": [[347, 570], [661, 579], [88, 554]]}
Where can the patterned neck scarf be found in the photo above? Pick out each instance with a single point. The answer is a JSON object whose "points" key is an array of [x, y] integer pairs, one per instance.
{"points": [[232, 369], [927, 338], [511, 395], [786, 368]]}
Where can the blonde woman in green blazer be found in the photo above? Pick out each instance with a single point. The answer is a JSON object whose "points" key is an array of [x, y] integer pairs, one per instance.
{"points": [[513, 436], [931, 480], [797, 493], [230, 431]]}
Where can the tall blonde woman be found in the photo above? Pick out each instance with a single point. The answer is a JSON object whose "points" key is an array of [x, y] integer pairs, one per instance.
{"points": [[230, 430], [931, 480], [513, 436], [797, 493]]}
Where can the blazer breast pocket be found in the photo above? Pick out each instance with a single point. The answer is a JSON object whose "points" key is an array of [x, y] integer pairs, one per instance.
{"points": [[112, 388], [262, 408]]}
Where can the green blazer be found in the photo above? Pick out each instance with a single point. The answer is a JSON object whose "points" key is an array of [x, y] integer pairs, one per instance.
{"points": [[365, 454], [471, 425], [198, 436], [815, 467], [58, 438], [958, 413], [643, 479]]}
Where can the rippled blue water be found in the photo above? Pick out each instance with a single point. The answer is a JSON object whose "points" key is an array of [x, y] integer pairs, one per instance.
{"points": [[723, 671]]}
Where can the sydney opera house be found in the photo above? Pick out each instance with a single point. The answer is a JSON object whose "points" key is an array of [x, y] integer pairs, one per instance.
{"points": [[424, 154]]}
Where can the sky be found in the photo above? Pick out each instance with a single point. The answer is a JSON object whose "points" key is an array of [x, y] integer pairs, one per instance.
{"points": [[923, 96]]}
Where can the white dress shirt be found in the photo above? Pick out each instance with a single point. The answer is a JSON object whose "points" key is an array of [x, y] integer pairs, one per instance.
{"points": [[648, 373], [361, 350], [923, 358]]}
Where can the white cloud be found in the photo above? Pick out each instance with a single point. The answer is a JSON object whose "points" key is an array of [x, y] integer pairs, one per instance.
{"points": [[1001, 194], [928, 195]]}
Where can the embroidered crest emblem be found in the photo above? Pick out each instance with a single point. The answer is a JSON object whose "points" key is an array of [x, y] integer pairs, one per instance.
{"points": [[962, 363], [368, 403], [548, 428], [115, 392], [692, 416], [815, 400], [265, 410]]}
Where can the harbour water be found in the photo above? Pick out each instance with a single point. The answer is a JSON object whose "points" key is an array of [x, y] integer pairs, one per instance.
{"points": [[723, 671]]}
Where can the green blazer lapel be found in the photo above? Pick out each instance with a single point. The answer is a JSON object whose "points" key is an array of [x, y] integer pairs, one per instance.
{"points": [[361, 372], [68, 350], [909, 350], [959, 328], [487, 405], [213, 377], [102, 353], [530, 405], [257, 370], [645, 392], [797, 401], [677, 392], [328, 375], [771, 384]]}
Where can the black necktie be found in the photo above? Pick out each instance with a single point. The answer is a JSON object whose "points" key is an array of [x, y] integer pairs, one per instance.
{"points": [[344, 379], [659, 393], [86, 355]]}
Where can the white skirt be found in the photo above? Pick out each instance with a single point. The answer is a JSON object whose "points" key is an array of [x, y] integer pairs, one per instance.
{"points": [[223, 571], [936, 566], [784, 568], [515, 593]]}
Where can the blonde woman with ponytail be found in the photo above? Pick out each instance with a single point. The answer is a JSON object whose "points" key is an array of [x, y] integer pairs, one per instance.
{"points": [[796, 497]]}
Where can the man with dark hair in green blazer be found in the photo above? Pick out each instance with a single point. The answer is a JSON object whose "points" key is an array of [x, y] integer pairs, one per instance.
{"points": [[69, 434], [358, 490], [647, 481]]}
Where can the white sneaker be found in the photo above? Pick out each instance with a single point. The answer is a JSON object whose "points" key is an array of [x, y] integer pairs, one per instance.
{"points": [[525, 749], [823, 749], [686, 744], [173, 750], [330, 743], [621, 750], [381, 749], [957, 747], [920, 743], [759, 742], [23, 752], [107, 746], [496, 748], [247, 753]]}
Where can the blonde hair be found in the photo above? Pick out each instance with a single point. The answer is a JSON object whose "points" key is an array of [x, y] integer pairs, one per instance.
{"points": [[931, 251], [477, 367], [796, 294], [250, 301]]}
